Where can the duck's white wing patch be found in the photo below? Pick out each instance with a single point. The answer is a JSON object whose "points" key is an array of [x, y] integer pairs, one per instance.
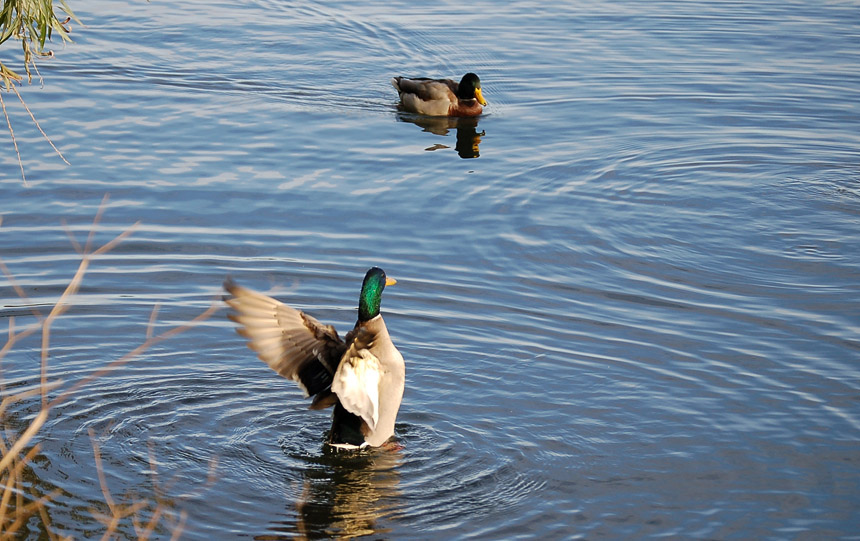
{"points": [[356, 384]]}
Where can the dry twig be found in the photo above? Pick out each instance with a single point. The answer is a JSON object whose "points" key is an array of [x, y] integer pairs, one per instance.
{"points": [[15, 512]]}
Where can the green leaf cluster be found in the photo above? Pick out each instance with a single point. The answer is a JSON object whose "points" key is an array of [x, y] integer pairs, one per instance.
{"points": [[32, 23]]}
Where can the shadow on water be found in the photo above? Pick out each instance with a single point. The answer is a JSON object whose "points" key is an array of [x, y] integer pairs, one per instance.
{"points": [[342, 494], [468, 136]]}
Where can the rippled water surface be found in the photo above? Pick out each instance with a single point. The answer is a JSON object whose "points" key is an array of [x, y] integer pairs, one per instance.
{"points": [[628, 295]]}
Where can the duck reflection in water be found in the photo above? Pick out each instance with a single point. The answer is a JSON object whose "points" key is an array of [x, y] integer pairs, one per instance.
{"points": [[344, 495], [468, 137]]}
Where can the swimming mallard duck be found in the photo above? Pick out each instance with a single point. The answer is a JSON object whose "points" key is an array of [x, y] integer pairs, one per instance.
{"points": [[362, 376], [441, 97]]}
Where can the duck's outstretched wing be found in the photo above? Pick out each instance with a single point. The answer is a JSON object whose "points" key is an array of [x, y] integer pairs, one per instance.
{"points": [[292, 343]]}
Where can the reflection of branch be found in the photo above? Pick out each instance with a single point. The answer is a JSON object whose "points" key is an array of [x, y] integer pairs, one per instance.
{"points": [[14, 511]]}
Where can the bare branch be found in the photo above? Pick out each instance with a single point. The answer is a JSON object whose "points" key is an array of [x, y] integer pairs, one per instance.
{"points": [[179, 527], [14, 141], [75, 244], [101, 472], [134, 353], [152, 318], [12, 462], [25, 438], [45, 135], [96, 220], [19, 290]]}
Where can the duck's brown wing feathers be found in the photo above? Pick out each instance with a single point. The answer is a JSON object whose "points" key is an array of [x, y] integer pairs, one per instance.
{"points": [[292, 343], [428, 89]]}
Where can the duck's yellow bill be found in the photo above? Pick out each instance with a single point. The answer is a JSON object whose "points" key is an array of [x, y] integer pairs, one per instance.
{"points": [[480, 97], [390, 281]]}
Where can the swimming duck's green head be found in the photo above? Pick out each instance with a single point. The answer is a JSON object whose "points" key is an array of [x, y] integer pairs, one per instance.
{"points": [[470, 89]]}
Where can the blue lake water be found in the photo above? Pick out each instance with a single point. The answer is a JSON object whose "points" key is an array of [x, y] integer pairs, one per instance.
{"points": [[628, 295]]}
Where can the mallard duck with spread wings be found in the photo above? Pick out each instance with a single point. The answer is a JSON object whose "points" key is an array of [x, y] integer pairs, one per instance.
{"points": [[362, 375]]}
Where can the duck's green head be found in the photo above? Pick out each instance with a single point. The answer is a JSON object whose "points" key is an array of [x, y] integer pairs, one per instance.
{"points": [[371, 293], [470, 89]]}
